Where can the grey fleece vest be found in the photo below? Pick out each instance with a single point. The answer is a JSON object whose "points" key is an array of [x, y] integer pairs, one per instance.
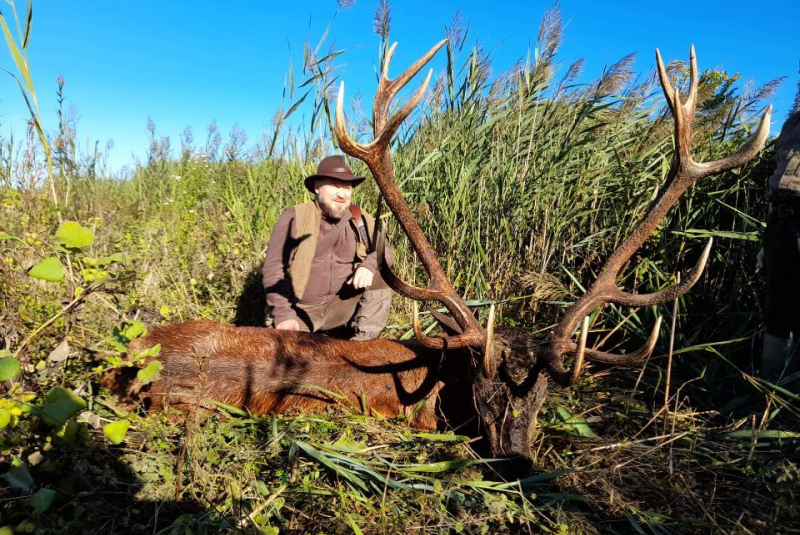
{"points": [[307, 221]]}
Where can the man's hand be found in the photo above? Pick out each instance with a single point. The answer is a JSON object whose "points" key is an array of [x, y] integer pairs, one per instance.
{"points": [[361, 279], [288, 325]]}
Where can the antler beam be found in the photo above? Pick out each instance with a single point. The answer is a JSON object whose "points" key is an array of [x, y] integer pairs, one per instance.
{"points": [[683, 173], [376, 155]]}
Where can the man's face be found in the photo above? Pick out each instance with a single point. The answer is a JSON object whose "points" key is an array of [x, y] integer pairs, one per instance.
{"points": [[333, 196]]}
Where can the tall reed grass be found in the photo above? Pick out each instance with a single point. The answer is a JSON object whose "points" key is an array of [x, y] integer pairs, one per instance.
{"points": [[524, 181]]}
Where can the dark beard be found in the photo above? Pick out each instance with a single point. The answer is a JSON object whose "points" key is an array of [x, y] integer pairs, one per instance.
{"points": [[329, 210]]}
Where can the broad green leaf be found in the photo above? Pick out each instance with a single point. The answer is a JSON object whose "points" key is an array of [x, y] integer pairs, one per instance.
{"points": [[9, 368], [74, 433], [539, 478], [134, 329], [346, 445], [574, 424], [49, 269], [332, 394], [262, 488], [227, 408], [123, 335], [5, 418], [42, 500], [18, 478], [295, 105], [152, 351], [702, 233], [116, 257], [443, 437], [116, 343], [442, 466], [149, 374], [74, 235], [60, 405], [115, 431]]}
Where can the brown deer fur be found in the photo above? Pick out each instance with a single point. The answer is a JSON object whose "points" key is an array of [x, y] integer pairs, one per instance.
{"points": [[265, 370]]}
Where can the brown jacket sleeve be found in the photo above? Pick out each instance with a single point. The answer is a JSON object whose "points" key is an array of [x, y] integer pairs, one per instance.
{"points": [[275, 271]]}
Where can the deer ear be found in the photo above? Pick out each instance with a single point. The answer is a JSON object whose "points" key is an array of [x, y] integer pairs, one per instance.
{"points": [[445, 321]]}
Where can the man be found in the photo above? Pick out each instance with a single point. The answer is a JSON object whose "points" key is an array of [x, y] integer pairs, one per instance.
{"points": [[781, 257], [320, 270]]}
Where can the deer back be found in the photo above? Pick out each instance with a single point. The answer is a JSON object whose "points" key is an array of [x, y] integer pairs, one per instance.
{"points": [[265, 370]]}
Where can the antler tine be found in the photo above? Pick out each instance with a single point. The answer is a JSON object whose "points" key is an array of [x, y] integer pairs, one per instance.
{"points": [[469, 338], [383, 126], [577, 367], [397, 119], [377, 156], [748, 151], [694, 82], [387, 88], [489, 362], [566, 378], [683, 173], [395, 282], [346, 143], [682, 112], [666, 85], [668, 294], [386, 61], [627, 359], [671, 93]]}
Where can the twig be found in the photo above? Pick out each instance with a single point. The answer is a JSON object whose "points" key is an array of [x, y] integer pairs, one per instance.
{"points": [[650, 421], [674, 415], [251, 517], [620, 445], [669, 354], [52, 320], [755, 440], [179, 467]]}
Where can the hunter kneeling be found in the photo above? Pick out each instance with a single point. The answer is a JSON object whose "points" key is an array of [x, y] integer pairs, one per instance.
{"points": [[320, 274]]}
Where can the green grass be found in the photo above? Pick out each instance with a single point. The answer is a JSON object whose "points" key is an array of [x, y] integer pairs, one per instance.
{"points": [[524, 182]]}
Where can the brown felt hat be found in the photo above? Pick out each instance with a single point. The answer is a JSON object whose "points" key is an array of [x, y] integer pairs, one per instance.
{"points": [[333, 167]]}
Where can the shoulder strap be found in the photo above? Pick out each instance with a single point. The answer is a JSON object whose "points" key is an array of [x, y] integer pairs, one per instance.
{"points": [[363, 235]]}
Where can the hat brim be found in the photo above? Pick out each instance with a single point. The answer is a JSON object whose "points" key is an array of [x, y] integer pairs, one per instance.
{"points": [[344, 177]]}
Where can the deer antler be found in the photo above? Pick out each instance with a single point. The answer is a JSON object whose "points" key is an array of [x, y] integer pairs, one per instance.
{"points": [[376, 155], [683, 173]]}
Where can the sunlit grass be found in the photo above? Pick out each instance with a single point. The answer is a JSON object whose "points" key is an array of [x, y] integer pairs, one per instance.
{"points": [[524, 182]]}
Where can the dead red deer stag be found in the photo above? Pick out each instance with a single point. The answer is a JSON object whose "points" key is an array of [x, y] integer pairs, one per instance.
{"points": [[499, 380]]}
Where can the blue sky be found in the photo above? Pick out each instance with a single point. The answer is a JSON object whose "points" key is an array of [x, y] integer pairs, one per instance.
{"points": [[188, 63]]}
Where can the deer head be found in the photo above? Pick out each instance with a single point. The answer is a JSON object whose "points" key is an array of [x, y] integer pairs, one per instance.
{"points": [[511, 369]]}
